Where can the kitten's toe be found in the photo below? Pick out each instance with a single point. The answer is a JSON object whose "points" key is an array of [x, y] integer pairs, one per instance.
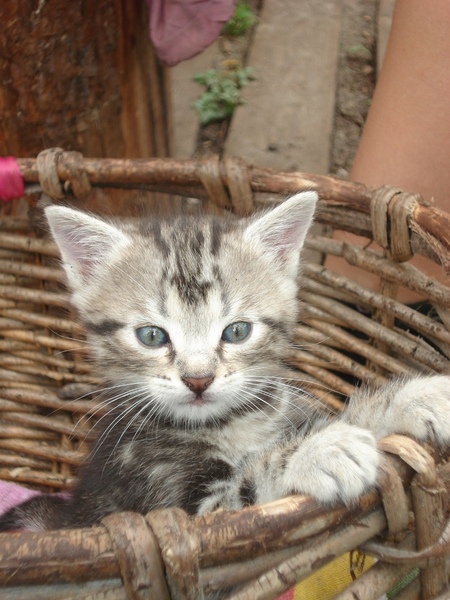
{"points": [[338, 463], [422, 409]]}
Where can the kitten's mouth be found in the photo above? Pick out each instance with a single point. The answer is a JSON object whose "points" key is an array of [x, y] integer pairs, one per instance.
{"points": [[199, 401]]}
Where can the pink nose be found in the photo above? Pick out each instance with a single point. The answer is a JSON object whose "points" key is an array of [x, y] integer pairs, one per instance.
{"points": [[198, 384]]}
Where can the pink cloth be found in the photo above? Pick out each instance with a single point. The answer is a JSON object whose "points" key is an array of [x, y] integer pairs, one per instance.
{"points": [[11, 181], [12, 494], [180, 29], [289, 595]]}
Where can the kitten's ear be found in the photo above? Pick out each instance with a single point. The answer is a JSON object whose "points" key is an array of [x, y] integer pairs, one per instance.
{"points": [[85, 242], [283, 230]]}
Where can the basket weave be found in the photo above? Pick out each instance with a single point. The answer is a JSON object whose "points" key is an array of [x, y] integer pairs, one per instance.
{"points": [[347, 334]]}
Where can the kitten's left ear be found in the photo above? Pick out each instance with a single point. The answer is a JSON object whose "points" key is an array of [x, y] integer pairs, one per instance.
{"points": [[283, 230], [85, 242]]}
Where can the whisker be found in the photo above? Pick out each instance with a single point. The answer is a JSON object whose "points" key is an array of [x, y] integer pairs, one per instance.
{"points": [[294, 396], [102, 404], [76, 349], [253, 397], [125, 397]]}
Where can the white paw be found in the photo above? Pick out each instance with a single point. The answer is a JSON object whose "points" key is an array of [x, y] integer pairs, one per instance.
{"points": [[421, 408], [339, 462]]}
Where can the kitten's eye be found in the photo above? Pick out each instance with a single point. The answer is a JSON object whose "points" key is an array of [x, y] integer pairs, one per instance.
{"points": [[237, 332], [152, 336]]}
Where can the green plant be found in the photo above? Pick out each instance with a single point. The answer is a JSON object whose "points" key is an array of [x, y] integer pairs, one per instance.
{"points": [[223, 92], [243, 18]]}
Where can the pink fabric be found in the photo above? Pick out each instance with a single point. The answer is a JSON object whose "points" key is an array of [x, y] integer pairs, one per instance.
{"points": [[12, 494], [289, 595], [180, 29], [11, 182]]}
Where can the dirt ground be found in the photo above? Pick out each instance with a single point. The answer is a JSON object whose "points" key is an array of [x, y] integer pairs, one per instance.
{"points": [[355, 83]]}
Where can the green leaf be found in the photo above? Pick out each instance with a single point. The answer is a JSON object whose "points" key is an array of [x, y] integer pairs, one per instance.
{"points": [[222, 92], [242, 19]]}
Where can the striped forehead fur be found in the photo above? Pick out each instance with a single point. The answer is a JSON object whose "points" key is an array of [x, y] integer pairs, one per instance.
{"points": [[189, 247]]}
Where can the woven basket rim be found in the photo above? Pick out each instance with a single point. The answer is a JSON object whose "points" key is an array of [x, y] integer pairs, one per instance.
{"points": [[230, 182]]}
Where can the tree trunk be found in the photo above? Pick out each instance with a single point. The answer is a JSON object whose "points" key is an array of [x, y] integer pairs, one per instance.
{"points": [[81, 75], [84, 76]]}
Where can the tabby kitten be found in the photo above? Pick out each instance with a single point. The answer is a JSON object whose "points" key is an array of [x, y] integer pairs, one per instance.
{"points": [[188, 321]]}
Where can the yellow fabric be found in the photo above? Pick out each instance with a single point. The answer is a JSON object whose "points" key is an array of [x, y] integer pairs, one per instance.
{"points": [[333, 577]]}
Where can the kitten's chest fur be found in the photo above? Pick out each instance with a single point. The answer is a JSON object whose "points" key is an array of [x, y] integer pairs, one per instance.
{"points": [[162, 465], [245, 435], [158, 449]]}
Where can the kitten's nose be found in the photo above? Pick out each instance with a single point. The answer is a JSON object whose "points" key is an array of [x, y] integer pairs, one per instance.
{"points": [[198, 384]]}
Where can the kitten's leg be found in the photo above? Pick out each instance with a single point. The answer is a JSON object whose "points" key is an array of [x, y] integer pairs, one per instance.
{"points": [[337, 462], [419, 407]]}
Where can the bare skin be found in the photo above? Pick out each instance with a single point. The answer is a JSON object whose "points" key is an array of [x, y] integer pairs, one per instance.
{"points": [[406, 138]]}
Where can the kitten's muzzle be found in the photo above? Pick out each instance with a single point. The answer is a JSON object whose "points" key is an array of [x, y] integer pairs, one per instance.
{"points": [[197, 384]]}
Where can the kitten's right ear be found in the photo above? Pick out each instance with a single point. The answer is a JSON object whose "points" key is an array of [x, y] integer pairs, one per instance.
{"points": [[282, 230], [85, 242]]}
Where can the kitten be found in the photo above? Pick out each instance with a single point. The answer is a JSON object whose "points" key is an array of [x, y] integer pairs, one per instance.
{"points": [[189, 321]]}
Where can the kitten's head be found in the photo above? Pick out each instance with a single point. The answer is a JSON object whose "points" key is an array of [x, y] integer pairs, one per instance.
{"points": [[187, 318]]}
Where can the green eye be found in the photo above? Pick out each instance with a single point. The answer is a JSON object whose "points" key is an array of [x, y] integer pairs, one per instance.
{"points": [[237, 332], [152, 336]]}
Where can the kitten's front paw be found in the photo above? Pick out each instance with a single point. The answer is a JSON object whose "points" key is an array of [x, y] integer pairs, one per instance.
{"points": [[421, 408], [337, 463]]}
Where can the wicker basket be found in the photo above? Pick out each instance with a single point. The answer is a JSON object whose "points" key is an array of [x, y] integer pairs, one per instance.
{"points": [[347, 334]]}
